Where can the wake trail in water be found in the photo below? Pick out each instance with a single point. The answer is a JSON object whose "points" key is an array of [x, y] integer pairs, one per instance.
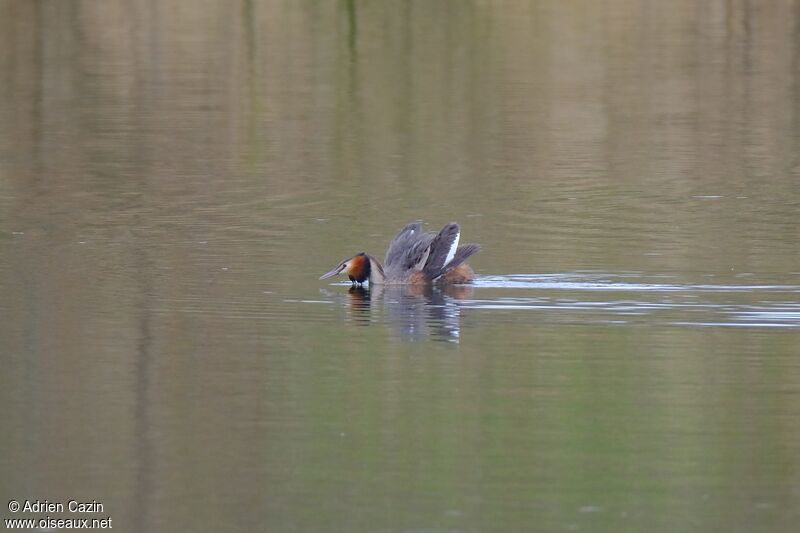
{"points": [[631, 297]]}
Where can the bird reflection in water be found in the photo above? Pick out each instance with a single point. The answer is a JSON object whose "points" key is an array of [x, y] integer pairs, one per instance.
{"points": [[359, 305], [414, 312]]}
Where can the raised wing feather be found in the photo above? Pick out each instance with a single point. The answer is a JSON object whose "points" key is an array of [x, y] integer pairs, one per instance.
{"points": [[442, 250], [462, 253], [409, 249]]}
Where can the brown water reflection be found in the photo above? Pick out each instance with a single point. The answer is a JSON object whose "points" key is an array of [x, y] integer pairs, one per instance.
{"points": [[174, 176], [414, 313]]}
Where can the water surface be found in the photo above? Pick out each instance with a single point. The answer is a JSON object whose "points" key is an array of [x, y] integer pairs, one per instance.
{"points": [[175, 176]]}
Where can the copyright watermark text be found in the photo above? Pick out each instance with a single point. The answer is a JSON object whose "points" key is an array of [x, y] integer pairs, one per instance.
{"points": [[54, 522]]}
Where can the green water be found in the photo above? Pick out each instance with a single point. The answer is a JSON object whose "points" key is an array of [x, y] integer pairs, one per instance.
{"points": [[175, 176]]}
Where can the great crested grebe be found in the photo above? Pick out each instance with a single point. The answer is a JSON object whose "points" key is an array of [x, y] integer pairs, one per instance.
{"points": [[414, 258]]}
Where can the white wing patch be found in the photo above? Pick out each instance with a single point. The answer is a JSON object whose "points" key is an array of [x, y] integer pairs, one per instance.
{"points": [[452, 252]]}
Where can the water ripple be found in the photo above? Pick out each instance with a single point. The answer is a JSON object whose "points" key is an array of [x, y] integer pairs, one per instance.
{"points": [[606, 282], [577, 297]]}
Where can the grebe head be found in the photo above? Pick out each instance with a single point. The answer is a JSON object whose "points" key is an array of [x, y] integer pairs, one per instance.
{"points": [[357, 268]]}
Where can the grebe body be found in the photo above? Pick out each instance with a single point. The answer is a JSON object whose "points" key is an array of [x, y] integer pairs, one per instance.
{"points": [[414, 257]]}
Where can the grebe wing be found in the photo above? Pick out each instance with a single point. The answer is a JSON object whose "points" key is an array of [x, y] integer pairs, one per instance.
{"points": [[409, 249], [462, 253], [442, 250]]}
